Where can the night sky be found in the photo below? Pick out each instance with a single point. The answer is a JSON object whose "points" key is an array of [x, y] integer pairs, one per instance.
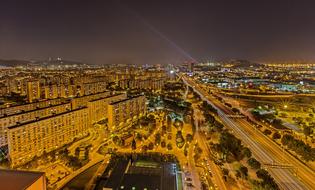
{"points": [[157, 31]]}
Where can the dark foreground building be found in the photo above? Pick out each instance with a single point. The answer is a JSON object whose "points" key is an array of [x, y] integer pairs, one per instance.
{"points": [[141, 175], [18, 180]]}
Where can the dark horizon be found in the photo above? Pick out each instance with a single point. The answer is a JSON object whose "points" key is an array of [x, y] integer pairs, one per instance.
{"points": [[139, 32]]}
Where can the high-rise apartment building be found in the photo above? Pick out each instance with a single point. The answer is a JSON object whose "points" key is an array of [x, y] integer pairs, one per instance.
{"points": [[32, 90], [124, 111], [28, 116], [25, 141], [98, 108]]}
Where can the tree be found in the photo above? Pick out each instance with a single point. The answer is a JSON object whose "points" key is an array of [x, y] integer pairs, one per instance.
{"points": [[218, 126], [277, 123], [133, 145], [178, 124], [306, 151], [209, 118], [276, 135], [227, 104], [229, 144], [307, 130], [225, 171], [169, 123], [185, 152], [267, 132], [157, 138], [139, 136], [235, 110], [169, 137], [198, 150], [169, 146], [180, 141], [268, 182], [187, 118], [189, 137], [262, 174], [145, 148], [246, 152], [253, 163], [117, 141], [151, 146], [163, 144], [163, 131], [243, 172]]}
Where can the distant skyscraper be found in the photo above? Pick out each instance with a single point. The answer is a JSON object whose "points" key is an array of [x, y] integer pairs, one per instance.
{"points": [[191, 67]]}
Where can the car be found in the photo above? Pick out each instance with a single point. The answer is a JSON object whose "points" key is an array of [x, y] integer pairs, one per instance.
{"points": [[188, 179], [190, 185]]}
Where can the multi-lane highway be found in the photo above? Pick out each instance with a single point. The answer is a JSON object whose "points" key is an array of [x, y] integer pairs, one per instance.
{"points": [[217, 179], [263, 148]]}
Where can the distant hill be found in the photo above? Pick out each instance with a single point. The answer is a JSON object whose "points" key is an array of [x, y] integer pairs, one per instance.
{"points": [[14, 63], [59, 62], [242, 63]]}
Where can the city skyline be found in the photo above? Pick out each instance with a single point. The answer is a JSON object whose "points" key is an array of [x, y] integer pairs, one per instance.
{"points": [[157, 95], [158, 32]]}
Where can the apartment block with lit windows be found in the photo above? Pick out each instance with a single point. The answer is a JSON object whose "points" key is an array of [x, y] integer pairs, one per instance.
{"points": [[25, 141], [83, 100], [6, 111], [126, 110], [28, 116], [93, 88], [98, 108], [32, 90]]}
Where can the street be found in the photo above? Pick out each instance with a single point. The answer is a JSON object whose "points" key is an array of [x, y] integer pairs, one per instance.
{"points": [[263, 148]]}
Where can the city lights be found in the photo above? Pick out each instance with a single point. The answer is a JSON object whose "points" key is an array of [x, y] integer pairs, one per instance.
{"points": [[157, 95]]}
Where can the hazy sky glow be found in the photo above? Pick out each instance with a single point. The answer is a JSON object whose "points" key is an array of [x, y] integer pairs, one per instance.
{"points": [[157, 31]]}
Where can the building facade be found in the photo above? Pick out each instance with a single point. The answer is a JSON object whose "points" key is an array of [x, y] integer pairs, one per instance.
{"points": [[32, 139], [98, 108], [28, 116], [124, 111], [33, 90]]}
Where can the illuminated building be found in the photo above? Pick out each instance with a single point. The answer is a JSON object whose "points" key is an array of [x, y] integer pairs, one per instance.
{"points": [[51, 92], [25, 141], [32, 115], [29, 106], [83, 100], [98, 108], [32, 91], [124, 111]]}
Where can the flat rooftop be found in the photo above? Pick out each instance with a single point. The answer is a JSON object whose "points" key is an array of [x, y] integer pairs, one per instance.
{"points": [[140, 175], [126, 99], [18, 180]]}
